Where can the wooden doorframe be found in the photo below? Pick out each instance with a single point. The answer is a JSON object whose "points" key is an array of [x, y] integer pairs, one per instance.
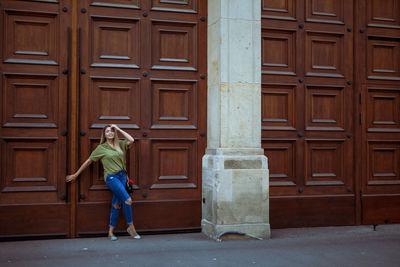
{"points": [[357, 111], [73, 134]]}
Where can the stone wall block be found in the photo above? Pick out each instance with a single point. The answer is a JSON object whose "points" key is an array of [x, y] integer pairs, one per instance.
{"points": [[241, 126]]}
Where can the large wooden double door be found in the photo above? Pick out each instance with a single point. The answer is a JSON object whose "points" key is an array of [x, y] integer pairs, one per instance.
{"points": [[331, 111], [70, 67]]}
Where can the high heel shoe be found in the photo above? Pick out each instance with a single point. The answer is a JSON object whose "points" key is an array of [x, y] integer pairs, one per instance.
{"points": [[112, 237], [135, 236]]}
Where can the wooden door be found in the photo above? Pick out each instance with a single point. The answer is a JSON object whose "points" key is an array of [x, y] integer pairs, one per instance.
{"points": [[143, 66], [33, 133], [307, 111], [378, 74]]}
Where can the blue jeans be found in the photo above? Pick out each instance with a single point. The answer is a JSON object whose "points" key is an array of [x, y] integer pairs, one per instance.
{"points": [[116, 183]]}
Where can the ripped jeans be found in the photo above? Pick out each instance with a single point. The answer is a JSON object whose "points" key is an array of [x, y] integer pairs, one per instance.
{"points": [[116, 183]]}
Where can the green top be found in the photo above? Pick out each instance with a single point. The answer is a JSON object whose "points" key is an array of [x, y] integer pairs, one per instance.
{"points": [[113, 161]]}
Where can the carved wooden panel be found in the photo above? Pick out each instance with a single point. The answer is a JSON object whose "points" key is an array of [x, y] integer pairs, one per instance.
{"points": [[186, 6], [174, 164], [174, 104], [281, 162], [32, 37], [115, 42], [143, 61], [279, 9], [29, 165], [325, 11], [378, 62], [131, 4], [324, 55], [174, 45], [278, 106], [325, 107], [383, 58], [325, 161], [34, 51], [383, 13], [383, 109], [30, 100], [105, 92], [383, 163], [96, 181], [278, 51], [307, 50]]}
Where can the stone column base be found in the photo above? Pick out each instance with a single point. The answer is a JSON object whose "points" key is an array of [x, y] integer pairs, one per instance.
{"points": [[235, 192], [254, 230]]}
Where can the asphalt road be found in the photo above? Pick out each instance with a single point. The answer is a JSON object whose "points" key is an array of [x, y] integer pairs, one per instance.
{"points": [[323, 246]]}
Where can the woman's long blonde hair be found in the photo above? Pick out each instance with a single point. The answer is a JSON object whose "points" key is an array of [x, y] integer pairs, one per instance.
{"points": [[103, 138]]}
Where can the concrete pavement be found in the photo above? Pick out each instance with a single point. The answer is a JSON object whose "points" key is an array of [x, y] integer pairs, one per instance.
{"points": [[322, 246]]}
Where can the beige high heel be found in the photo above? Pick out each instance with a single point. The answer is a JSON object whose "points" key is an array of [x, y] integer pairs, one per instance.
{"points": [[135, 236]]}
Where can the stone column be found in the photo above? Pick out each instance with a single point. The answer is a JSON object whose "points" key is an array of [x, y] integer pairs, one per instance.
{"points": [[235, 170]]}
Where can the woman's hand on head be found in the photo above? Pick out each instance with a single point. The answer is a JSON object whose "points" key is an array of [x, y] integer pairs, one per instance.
{"points": [[70, 178], [115, 127]]}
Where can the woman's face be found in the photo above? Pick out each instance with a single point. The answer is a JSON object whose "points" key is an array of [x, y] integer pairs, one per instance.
{"points": [[109, 133]]}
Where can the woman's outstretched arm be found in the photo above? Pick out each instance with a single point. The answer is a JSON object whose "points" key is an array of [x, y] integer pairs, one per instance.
{"points": [[125, 134], [81, 169]]}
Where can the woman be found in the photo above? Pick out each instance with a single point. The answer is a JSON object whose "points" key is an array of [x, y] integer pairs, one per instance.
{"points": [[112, 152]]}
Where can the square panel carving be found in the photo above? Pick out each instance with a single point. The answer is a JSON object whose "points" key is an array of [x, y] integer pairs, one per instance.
{"points": [[383, 58], [383, 13], [134, 4], [32, 37], [115, 42], [324, 162], [30, 100], [278, 52], [96, 169], [31, 165], [324, 54], [185, 6], [278, 9], [325, 108], [174, 164], [278, 107], [383, 163], [174, 104], [325, 11], [174, 45], [281, 162], [105, 92], [383, 110]]}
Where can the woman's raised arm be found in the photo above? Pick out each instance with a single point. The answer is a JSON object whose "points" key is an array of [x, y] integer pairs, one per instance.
{"points": [[125, 134], [72, 177]]}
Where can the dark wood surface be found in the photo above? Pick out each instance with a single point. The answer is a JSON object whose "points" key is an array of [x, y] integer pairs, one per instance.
{"points": [[142, 71], [330, 116], [379, 90], [308, 111], [136, 64], [33, 117]]}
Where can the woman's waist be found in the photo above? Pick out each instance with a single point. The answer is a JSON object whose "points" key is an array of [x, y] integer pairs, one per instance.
{"points": [[119, 172]]}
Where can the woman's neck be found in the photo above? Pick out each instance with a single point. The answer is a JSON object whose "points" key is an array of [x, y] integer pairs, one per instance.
{"points": [[110, 142]]}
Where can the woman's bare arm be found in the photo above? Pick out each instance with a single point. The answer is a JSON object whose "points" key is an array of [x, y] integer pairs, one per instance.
{"points": [[72, 177], [125, 134]]}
